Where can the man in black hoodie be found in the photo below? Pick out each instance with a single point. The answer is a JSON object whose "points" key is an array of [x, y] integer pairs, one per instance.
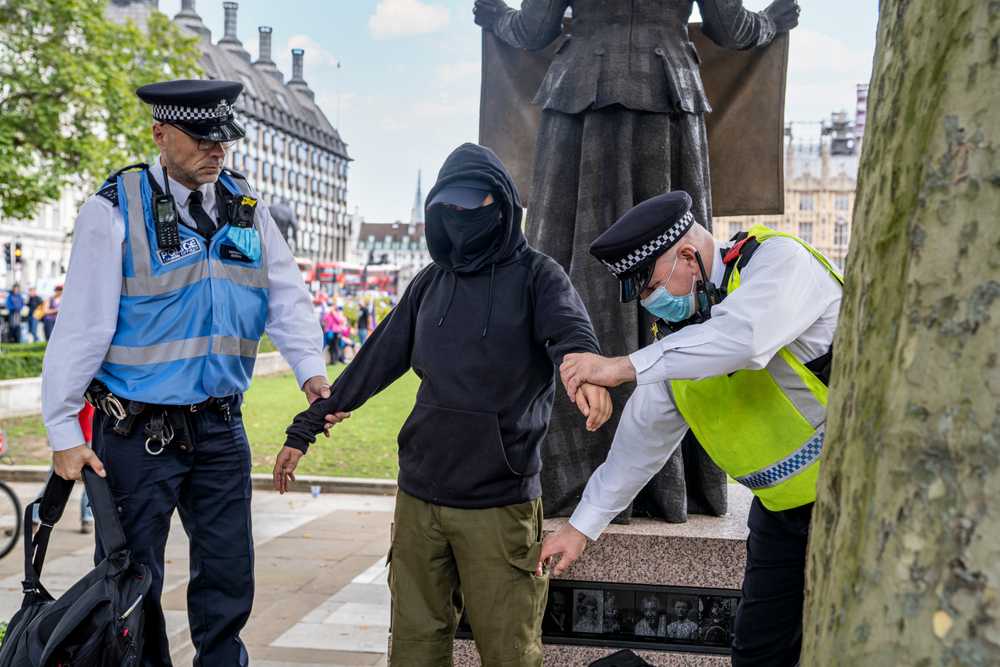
{"points": [[483, 327]]}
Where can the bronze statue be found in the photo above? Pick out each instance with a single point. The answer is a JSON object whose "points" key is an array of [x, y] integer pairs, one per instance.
{"points": [[622, 120]]}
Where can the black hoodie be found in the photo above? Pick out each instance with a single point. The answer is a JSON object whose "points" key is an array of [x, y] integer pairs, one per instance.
{"points": [[484, 345]]}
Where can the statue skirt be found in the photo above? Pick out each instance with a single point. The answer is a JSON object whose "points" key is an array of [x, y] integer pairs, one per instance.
{"points": [[589, 169]]}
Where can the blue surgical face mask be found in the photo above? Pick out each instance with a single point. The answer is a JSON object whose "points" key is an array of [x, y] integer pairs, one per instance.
{"points": [[665, 305]]}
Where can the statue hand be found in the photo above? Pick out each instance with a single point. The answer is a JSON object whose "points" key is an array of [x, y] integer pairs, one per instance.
{"points": [[784, 14], [485, 12]]}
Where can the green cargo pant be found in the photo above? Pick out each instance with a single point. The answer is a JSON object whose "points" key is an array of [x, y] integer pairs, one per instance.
{"points": [[442, 558]]}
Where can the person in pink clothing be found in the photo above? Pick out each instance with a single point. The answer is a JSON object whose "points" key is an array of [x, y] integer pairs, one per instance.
{"points": [[337, 331]]}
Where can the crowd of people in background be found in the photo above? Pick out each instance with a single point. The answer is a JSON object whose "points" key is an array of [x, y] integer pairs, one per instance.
{"points": [[23, 315], [339, 333]]}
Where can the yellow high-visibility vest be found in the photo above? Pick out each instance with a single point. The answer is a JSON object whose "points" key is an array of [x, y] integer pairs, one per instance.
{"points": [[764, 428]]}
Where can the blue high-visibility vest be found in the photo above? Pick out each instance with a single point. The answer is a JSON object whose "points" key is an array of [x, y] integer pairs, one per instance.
{"points": [[189, 320]]}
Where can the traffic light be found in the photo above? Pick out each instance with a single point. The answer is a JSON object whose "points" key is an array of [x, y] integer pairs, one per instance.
{"points": [[6, 254], [17, 252]]}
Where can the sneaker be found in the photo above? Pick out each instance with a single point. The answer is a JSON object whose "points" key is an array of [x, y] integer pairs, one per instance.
{"points": [[86, 527]]}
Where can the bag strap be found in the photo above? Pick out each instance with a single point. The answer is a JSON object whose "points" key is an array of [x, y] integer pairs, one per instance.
{"points": [[50, 504], [109, 529]]}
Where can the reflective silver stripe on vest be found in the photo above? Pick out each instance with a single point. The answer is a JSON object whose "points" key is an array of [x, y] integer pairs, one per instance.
{"points": [[235, 347], [788, 467], [796, 391], [241, 275], [132, 181], [190, 348], [165, 282]]}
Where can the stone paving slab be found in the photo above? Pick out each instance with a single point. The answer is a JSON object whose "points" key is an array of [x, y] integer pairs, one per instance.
{"points": [[309, 550]]}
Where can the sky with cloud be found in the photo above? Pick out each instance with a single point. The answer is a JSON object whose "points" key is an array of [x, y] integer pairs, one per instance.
{"points": [[407, 90]]}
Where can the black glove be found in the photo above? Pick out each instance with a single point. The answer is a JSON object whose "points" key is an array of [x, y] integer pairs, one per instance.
{"points": [[784, 14], [485, 12]]}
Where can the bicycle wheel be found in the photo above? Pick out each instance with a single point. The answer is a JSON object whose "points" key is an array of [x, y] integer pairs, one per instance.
{"points": [[10, 519]]}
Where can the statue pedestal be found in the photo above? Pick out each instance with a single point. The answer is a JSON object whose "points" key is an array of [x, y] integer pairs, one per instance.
{"points": [[647, 564]]}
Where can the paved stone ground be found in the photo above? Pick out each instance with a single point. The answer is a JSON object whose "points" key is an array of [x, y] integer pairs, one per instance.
{"points": [[321, 598]]}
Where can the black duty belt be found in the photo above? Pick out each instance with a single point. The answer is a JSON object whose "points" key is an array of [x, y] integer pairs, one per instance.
{"points": [[166, 422]]}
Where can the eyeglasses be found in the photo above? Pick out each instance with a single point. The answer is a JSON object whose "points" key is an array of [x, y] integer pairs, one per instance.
{"points": [[206, 145]]}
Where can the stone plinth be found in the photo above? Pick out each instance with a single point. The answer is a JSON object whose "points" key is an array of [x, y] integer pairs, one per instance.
{"points": [[706, 552]]}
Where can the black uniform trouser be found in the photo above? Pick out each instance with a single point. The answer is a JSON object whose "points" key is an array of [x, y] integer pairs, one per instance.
{"points": [[211, 490], [769, 617]]}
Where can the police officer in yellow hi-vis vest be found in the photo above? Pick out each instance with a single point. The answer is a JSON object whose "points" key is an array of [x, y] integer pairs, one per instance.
{"points": [[745, 367], [176, 272]]}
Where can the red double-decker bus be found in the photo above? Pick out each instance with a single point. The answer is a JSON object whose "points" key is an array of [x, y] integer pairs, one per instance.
{"points": [[308, 269], [346, 277]]}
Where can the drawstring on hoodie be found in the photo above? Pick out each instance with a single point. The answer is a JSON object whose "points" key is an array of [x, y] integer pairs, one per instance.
{"points": [[454, 282], [489, 306], [489, 303]]}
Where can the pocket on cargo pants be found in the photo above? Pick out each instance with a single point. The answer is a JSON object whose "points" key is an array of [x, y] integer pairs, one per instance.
{"points": [[530, 596]]}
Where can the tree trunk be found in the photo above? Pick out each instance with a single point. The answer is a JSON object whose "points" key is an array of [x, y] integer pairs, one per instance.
{"points": [[904, 560]]}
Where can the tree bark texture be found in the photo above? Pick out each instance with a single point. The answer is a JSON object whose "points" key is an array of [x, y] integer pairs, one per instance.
{"points": [[904, 561]]}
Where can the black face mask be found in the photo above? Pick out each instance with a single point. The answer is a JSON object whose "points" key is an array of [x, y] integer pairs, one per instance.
{"points": [[475, 235]]}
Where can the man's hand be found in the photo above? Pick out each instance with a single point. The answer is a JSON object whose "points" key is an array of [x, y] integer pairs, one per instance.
{"points": [[316, 387], [284, 468], [594, 402], [595, 369], [784, 13], [333, 420], [567, 542], [69, 463]]}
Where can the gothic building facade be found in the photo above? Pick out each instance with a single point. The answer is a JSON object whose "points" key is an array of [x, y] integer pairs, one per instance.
{"points": [[291, 154]]}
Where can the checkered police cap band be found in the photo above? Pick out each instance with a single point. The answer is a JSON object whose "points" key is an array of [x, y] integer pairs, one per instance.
{"points": [[667, 238], [172, 113]]}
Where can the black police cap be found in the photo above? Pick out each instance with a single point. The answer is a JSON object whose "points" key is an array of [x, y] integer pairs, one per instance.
{"points": [[631, 246], [200, 107]]}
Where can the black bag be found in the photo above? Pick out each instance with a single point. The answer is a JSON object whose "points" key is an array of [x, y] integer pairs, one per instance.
{"points": [[99, 621]]}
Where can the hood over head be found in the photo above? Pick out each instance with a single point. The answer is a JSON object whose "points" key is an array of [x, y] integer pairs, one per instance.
{"points": [[468, 163]]}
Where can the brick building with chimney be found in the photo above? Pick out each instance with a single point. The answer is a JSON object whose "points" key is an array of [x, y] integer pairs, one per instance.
{"points": [[291, 154]]}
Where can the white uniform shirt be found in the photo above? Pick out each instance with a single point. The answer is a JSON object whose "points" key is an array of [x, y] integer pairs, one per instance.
{"points": [[88, 314], [786, 299]]}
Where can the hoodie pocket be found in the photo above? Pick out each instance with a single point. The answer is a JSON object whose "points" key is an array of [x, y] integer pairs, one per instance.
{"points": [[448, 454]]}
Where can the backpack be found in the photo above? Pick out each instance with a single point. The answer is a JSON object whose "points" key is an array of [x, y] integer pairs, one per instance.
{"points": [[99, 621]]}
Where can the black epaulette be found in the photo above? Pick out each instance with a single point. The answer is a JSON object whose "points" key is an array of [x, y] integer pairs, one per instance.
{"points": [[110, 188], [109, 192], [234, 173]]}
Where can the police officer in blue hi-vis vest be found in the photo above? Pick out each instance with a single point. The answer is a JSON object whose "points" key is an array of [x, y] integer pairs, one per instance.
{"points": [[176, 272], [745, 366]]}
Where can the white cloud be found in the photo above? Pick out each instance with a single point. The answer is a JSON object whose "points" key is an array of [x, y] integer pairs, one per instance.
{"points": [[316, 59], [816, 101], [459, 75], [405, 18], [811, 51], [447, 108]]}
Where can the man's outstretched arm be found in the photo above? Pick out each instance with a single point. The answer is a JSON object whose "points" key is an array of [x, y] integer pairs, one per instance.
{"points": [[650, 429]]}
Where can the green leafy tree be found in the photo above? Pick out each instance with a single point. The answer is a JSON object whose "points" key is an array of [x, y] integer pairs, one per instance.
{"points": [[68, 110]]}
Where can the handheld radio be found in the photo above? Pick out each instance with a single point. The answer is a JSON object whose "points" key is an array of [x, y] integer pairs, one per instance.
{"points": [[708, 288], [165, 216]]}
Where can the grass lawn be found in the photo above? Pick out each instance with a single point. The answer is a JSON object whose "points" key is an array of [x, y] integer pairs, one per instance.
{"points": [[362, 446]]}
